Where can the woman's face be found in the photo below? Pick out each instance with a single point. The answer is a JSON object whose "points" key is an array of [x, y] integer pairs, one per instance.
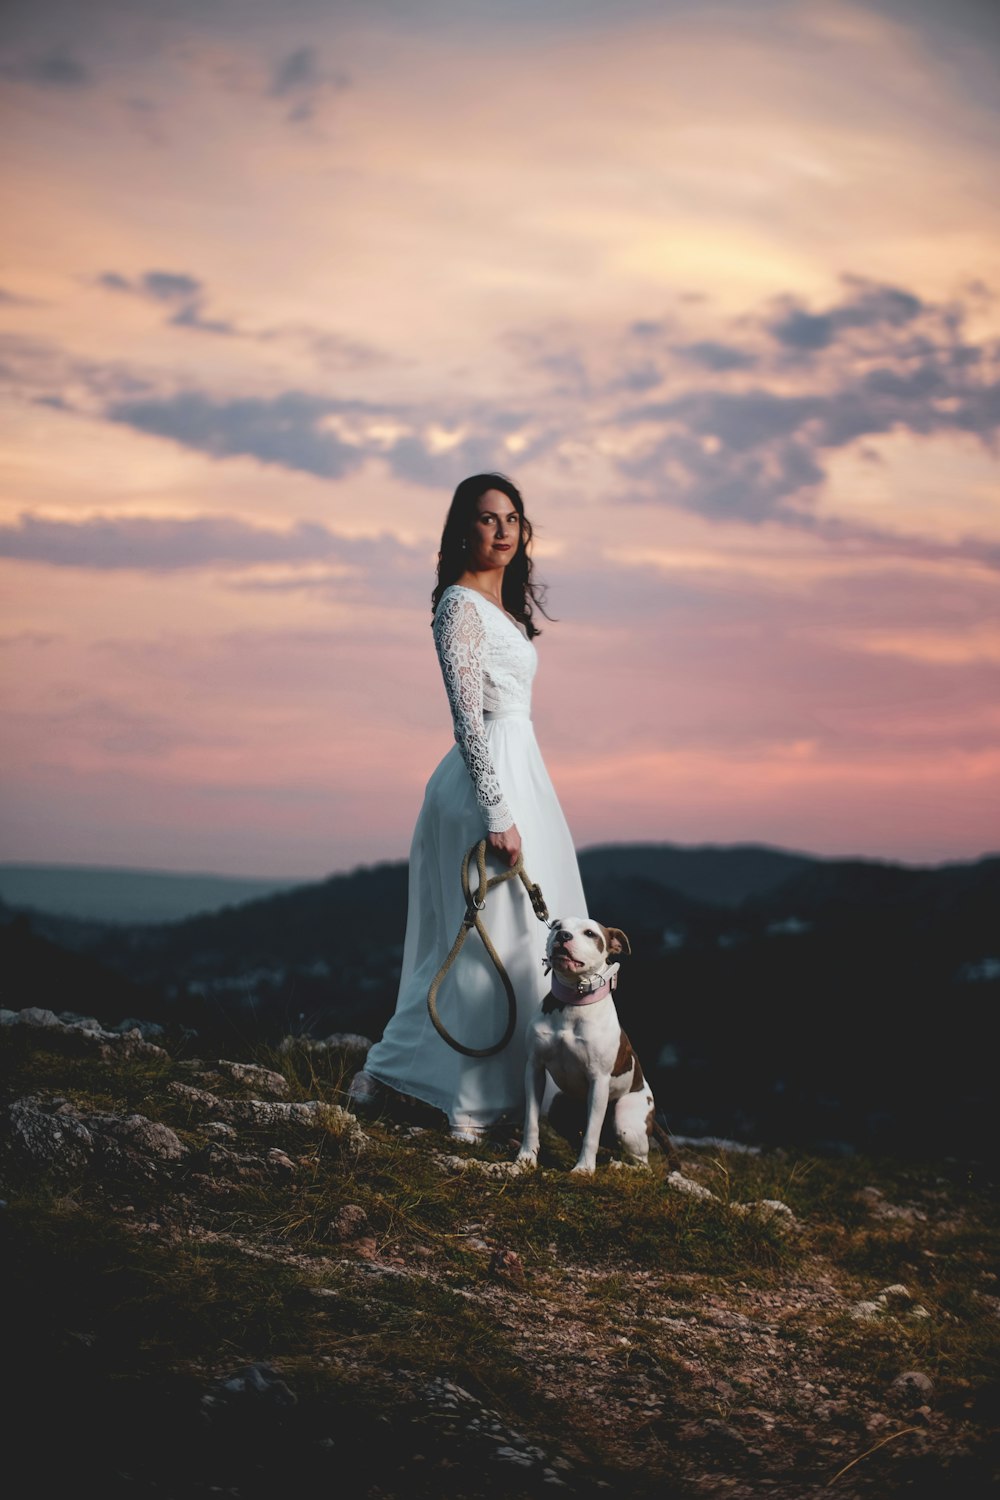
{"points": [[496, 531]]}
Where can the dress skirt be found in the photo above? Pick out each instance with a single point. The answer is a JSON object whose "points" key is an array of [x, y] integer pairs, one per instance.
{"points": [[411, 1057]]}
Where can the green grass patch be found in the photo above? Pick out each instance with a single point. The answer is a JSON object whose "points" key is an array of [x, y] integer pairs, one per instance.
{"points": [[137, 1086]]}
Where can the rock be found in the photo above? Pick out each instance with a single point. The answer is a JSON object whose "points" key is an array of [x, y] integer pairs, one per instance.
{"points": [[912, 1389], [132, 1146], [33, 1016], [461, 1414], [256, 1077], [145, 1137], [682, 1184], [149, 1031], [86, 1023], [891, 1299], [226, 1165], [347, 1040], [508, 1267], [505, 1454], [473, 1164], [773, 1206], [270, 1112], [49, 1135], [83, 1036], [349, 1223], [314, 1113], [128, 1046], [54, 1136], [257, 1385], [725, 1317], [280, 1161], [196, 1098], [771, 1209]]}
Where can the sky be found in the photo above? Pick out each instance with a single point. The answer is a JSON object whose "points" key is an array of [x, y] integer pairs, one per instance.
{"points": [[717, 284]]}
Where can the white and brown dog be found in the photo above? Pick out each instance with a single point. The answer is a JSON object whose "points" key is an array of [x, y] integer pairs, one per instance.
{"points": [[577, 1041]]}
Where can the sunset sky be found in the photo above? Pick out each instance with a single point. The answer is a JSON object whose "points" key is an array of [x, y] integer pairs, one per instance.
{"points": [[717, 284]]}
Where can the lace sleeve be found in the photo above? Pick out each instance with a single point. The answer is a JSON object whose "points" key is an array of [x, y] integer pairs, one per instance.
{"points": [[459, 635]]}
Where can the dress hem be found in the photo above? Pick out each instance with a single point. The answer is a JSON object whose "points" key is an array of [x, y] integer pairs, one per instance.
{"points": [[472, 1117]]}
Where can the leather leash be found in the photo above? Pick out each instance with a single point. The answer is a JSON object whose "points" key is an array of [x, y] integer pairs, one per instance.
{"points": [[475, 905]]}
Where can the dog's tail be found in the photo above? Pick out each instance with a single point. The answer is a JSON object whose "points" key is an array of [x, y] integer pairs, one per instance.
{"points": [[666, 1143]]}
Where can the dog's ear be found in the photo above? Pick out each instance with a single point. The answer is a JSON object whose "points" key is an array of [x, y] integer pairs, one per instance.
{"points": [[617, 941]]}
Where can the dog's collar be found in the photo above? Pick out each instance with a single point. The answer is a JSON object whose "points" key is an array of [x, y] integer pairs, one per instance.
{"points": [[586, 991]]}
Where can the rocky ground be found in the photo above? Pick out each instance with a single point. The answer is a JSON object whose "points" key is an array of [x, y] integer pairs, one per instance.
{"points": [[220, 1281]]}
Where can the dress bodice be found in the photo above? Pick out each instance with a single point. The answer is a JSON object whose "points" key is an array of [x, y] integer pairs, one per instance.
{"points": [[488, 666]]}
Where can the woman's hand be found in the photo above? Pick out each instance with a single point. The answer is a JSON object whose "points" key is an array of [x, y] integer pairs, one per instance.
{"points": [[507, 844]]}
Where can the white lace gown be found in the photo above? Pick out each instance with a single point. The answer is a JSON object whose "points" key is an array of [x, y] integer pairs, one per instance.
{"points": [[493, 776]]}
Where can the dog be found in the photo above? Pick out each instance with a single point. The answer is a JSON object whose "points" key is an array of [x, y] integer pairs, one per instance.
{"points": [[576, 1040]]}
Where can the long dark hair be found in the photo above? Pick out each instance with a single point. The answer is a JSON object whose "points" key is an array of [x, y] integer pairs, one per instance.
{"points": [[521, 595]]}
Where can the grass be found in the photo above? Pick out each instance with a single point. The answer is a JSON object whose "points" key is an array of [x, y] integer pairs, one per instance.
{"points": [[202, 1304], [115, 1086], [551, 1219], [224, 1260], [139, 1308]]}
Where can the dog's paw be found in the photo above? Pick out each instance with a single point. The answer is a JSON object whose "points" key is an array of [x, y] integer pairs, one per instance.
{"points": [[526, 1160], [582, 1169]]}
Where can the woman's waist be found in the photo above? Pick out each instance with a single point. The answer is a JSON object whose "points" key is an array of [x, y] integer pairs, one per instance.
{"points": [[519, 711]]}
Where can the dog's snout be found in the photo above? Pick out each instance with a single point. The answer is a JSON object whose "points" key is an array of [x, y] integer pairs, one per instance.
{"points": [[562, 936]]}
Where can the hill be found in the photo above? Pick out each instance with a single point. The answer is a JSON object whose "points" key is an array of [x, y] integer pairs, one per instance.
{"points": [[837, 1004], [720, 875], [220, 1282], [714, 874]]}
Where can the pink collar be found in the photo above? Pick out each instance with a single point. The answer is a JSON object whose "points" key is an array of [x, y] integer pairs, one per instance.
{"points": [[586, 992]]}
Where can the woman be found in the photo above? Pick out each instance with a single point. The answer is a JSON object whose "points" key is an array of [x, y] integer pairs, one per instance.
{"points": [[493, 784]]}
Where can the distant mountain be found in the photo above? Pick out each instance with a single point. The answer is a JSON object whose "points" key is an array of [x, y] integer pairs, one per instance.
{"points": [[98, 893], [720, 874], [833, 1001], [276, 962], [846, 888]]}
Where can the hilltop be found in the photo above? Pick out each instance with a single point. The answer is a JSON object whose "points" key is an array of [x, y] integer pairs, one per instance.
{"points": [[220, 1281]]}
